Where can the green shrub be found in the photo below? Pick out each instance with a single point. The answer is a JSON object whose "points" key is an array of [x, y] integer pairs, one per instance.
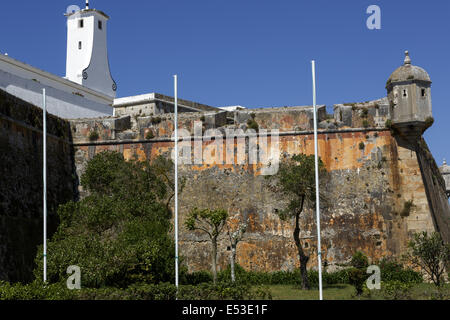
{"points": [[388, 123], [285, 277], [137, 291], [59, 291], [156, 120], [223, 291], [359, 260], [357, 274], [268, 278], [407, 206], [361, 145], [261, 278], [35, 291], [396, 290], [365, 123], [431, 254], [394, 271], [252, 124], [439, 294], [198, 277], [338, 277], [202, 291], [93, 136], [313, 278], [119, 234], [357, 278], [149, 135], [364, 112]]}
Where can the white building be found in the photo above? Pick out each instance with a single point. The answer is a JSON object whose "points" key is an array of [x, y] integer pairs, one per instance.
{"points": [[88, 89], [445, 171], [233, 108], [87, 51]]}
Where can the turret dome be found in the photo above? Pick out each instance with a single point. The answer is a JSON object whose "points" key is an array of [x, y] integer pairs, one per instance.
{"points": [[408, 72], [409, 94], [445, 169]]}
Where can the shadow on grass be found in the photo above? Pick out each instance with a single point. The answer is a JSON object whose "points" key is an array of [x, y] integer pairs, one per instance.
{"points": [[325, 286], [335, 286]]}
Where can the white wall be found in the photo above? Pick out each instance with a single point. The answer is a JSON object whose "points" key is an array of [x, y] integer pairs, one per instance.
{"points": [[25, 71], [59, 103], [78, 60], [93, 56]]}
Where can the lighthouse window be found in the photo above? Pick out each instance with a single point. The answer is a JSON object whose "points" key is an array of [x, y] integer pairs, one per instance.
{"points": [[405, 94], [100, 25], [80, 45], [81, 23], [424, 93]]}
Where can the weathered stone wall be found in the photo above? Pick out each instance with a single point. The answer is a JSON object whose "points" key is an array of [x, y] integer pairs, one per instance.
{"points": [[371, 178], [372, 175], [21, 182], [435, 189], [155, 104]]}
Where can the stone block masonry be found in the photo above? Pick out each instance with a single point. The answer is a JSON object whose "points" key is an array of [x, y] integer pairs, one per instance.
{"points": [[372, 175], [21, 182]]}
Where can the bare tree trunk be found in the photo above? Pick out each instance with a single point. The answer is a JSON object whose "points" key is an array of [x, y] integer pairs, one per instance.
{"points": [[232, 259], [214, 259], [303, 258]]}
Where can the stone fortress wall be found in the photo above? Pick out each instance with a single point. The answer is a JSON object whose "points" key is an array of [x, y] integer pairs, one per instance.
{"points": [[373, 174], [21, 183], [382, 185]]}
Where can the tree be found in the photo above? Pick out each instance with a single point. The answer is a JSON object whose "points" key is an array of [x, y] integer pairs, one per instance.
{"points": [[212, 223], [357, 274], [431, 254], [296, 180], [119, 233], [164, 169], [235, 237]]}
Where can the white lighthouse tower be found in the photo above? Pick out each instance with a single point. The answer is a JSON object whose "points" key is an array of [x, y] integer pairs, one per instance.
{"points": [[87, 51]]}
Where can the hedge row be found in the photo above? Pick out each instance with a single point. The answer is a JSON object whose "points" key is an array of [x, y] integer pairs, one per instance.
{"points": [[266, 278], [198, 286], [163, 291], [390, 271]]}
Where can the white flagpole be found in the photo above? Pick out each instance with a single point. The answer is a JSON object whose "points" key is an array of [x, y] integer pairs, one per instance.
{"points": [[44, 116], [176, 177], [316, 152]]}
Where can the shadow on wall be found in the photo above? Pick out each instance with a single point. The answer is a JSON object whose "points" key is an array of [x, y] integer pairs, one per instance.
{"points": [[21, 212]]}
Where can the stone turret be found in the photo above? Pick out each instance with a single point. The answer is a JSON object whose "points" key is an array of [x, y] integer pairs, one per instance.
{"points": [[409, 94], [445, 171]]}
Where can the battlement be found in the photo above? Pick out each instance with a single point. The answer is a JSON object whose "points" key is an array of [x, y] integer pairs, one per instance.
{"points": [[142, 118]]}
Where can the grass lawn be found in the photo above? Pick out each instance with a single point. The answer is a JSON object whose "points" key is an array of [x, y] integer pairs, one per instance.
{"points": [[346, 292]]}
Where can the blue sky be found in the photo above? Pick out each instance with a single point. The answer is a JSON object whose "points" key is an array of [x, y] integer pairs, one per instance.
{"points": [[254, 53]]}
